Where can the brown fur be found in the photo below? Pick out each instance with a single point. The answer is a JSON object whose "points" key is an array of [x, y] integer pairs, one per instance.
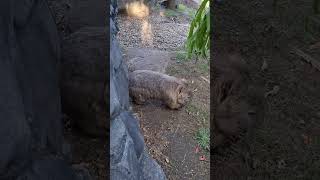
{"points": [[235, 101], [145, 85]]}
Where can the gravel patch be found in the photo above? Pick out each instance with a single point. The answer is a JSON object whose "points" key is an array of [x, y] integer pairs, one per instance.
{"points": [[155, 31]]}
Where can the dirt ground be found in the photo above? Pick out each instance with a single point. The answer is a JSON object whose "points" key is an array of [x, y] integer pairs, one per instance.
{"points": [[87, 152], [285, 144], [170, 134]]}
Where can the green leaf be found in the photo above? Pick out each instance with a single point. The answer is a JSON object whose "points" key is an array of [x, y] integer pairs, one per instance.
{"points": [[199, 32]]}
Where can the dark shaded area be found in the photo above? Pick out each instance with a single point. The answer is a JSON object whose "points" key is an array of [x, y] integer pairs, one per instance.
{"points": [[30, 111], [83, 81], [267, 35]]}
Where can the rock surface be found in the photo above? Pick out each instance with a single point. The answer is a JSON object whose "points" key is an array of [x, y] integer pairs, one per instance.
{"points": [[31, 128]]}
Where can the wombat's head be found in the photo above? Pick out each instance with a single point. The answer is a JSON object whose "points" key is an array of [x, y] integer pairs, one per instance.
{"points": [[183, 93], [232, 116]]}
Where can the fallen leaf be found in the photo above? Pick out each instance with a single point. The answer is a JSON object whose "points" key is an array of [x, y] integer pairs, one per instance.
{"points": [[315, 46], [274, 91], [202, 158], [306, 139], [197, 149]]}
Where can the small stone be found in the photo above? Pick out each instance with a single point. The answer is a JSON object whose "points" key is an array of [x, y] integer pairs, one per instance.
{"points": [[264, 65], [302, 122], [167, 160], [281, 164], [274, 91], [255, 163]]}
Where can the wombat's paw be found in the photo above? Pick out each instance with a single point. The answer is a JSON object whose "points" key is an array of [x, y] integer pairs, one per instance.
{"points": [[175, 106]]}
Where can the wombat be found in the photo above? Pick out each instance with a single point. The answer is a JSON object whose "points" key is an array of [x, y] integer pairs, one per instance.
{"points": [[236, 101], [146, 85]]}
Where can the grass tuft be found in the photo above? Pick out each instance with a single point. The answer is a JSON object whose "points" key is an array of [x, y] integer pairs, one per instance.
{"points": [[203, 138]]}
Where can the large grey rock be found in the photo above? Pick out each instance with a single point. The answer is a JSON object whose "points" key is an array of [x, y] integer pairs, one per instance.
{"points": [[119, 74], [30, 113], [128, 154], [150, 169], [123, 158]]}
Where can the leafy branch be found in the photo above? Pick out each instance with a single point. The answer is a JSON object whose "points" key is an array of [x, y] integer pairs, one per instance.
{"points": [[198, 41]]}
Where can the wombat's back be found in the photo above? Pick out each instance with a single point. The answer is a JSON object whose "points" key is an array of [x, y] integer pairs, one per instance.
{"points": [[149, 80], [146, 84], [151, 84]]}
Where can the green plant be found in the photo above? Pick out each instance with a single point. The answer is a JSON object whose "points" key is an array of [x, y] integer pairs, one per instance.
{"points": [[185, 10], [181, 56], [182, 7], [198, 41], [203, 138], [170, 13]]}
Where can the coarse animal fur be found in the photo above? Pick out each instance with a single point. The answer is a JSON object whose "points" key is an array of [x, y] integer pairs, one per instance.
{"points": [[236, 101], [146, 85]]}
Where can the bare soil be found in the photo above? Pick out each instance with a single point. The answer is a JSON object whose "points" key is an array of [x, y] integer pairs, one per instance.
{"points": [[285, 143]]}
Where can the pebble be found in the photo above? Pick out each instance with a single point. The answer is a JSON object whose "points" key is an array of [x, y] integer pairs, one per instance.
{"points": [[302, 122], [264, 65]]}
